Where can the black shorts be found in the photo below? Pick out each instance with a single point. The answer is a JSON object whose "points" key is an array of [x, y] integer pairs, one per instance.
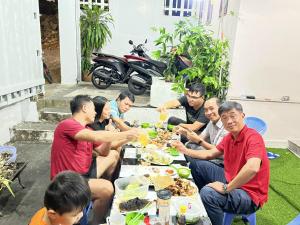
{"points": [[92, 173]]}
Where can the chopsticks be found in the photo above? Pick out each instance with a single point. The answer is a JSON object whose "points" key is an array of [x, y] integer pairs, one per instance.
{"points": [[139, 214]]}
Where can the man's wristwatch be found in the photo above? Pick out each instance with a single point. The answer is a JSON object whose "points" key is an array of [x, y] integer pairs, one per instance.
{"points": [[225, 188]]}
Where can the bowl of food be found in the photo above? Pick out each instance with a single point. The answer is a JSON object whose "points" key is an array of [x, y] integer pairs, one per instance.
{"points": [[192, 214], [131, 187], [145, 125], [172, 151], [170, 127], [184, 172], [152, 134]]}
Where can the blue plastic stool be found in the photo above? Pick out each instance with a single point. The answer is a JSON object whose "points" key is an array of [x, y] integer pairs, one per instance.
{"points": [[256, 123], [295, 221], [84, 219], [228, 217]]}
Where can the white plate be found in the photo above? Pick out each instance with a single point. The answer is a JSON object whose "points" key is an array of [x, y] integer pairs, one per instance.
{"points": [[145, 157]]}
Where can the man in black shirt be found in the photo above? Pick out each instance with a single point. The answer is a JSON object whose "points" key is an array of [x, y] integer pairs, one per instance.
{"points": [[193, 103]]}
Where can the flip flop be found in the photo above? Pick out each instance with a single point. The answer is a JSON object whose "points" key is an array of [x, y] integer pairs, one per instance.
{"points": [[272, 155]]}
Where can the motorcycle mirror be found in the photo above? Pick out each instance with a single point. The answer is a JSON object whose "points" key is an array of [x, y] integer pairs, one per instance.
{"points": [[146, 41], [131, 42]]}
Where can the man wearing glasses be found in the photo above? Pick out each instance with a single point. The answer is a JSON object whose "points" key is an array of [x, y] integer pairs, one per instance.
{"points": [[193, 103]]}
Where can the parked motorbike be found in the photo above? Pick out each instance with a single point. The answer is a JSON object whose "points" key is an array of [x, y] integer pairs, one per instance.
{"points": [[181, 61], [109, 69], [155, 66]]}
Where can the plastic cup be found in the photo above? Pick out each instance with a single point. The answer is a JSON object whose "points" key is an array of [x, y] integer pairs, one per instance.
{"points": [[115, 218]]}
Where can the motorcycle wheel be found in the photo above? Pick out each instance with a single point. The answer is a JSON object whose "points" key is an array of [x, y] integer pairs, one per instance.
{"points": [[99, 82], [135, 89]]}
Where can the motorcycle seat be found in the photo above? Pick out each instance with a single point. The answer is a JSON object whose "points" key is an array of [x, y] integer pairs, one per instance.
{"points": [[158, 63], [98, 54]]}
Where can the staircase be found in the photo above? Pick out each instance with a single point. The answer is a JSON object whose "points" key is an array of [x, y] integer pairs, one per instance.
{"points": [[51, 112]]}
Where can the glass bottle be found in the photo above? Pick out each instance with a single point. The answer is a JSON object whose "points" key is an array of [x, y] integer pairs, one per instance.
{"points": [[163, 206], [181, 219]]}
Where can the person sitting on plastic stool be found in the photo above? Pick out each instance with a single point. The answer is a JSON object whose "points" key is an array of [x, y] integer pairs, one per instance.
{"points": [[241, 187], [211, 136]]}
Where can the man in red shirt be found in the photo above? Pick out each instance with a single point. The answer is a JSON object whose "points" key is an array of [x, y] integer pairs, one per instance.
{"points": [[241, 187], [72, 148]]}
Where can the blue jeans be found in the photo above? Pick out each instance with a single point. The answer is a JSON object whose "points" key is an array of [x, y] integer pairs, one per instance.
{"points": [[236, 201]]}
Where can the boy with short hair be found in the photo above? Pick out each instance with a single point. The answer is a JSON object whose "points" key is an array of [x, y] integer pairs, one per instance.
{"points": [[65, 198]]}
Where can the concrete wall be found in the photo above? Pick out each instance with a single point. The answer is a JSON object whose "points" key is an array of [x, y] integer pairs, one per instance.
{"points": [[14, 114], [266, 64], [133, 19], [69, 41]]}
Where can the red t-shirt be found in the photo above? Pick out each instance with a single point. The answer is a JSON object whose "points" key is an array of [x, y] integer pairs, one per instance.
{"points": [[68, 153], [249, 144]]}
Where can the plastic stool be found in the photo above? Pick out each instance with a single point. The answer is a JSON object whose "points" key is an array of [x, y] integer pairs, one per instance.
{"points": [[228, 217]]}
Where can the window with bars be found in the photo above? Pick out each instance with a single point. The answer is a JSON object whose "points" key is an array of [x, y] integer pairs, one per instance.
{"points": [[181, 8], [104, 4], [202, 9]]}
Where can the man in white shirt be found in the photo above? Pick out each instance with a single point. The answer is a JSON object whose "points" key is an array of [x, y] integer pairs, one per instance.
{"points": [[211, 135]]}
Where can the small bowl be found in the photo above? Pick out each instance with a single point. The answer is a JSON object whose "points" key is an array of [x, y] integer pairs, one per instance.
{"points": [[173, 151], [152, 134], [145, 125], [184, 172], [170, 127]]}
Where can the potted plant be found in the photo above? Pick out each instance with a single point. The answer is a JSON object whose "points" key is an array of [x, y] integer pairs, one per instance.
{"points": [[6, 171], [209, 57], [94, 32]]}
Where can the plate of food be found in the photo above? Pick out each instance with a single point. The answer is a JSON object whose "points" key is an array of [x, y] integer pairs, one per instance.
{"points": [[183, 187], [134, 205], [157, 158]]}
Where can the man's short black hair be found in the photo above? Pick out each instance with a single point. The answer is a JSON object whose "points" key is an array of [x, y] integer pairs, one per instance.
{"points": [[229, 105], [125, 94], [198, 88], [67, 192], [78, 101], [218, 101]]}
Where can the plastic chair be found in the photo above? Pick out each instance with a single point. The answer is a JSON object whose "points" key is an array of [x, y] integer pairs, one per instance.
{"points": [[228, 217], [295, 221], [85, 218], [256, 123]]}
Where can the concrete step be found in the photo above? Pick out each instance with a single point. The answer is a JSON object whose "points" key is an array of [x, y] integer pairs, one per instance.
{"points": [[294, 146], [41, 132], [54, 115]]}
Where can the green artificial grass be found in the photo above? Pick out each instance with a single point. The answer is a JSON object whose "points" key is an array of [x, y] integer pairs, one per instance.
{"points": [[284, 192]]}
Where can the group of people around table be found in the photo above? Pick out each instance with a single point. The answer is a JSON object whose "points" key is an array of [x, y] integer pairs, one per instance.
{"points": [[228, 160]]}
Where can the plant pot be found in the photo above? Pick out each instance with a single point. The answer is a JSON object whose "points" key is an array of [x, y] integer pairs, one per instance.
{"points": [[161, 92], [86, 77]]}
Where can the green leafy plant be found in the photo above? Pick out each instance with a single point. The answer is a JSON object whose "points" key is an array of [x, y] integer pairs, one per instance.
{"points": [[95, 32], [209, 56], [5, 172]]}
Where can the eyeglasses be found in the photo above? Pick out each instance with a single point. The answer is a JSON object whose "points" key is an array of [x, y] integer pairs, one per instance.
{"points": [[193, 97]]}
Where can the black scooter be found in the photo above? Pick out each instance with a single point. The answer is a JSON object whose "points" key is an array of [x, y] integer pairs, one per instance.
{"points": [[110, 69]]}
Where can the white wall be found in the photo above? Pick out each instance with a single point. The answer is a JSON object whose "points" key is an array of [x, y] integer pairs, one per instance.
{"points": [[20, 46], [266, 64], [133, 20], [69, 41], [21, 70], [14, 114], [266, 51]]}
